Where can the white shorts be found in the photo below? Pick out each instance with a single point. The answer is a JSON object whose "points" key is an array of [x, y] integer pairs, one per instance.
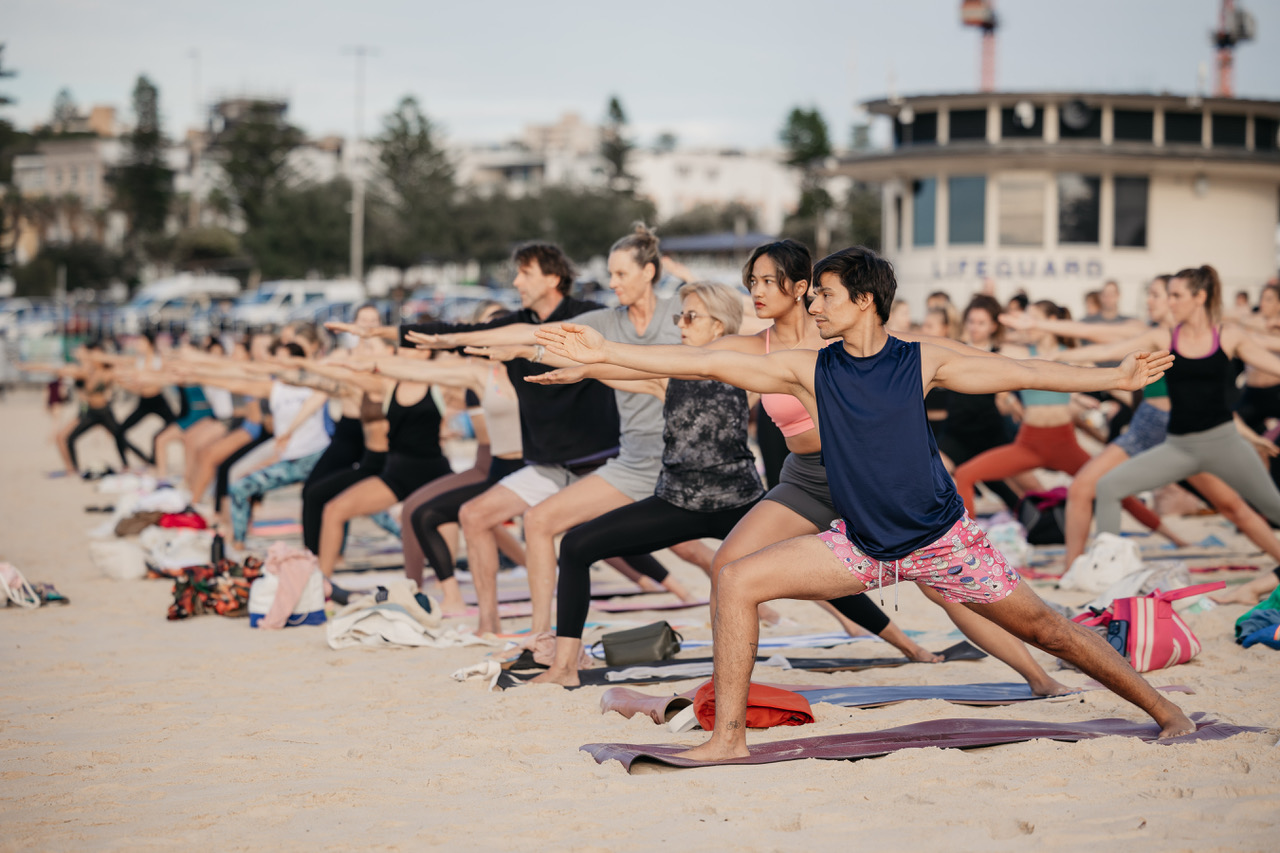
{"points": [[533, 484]]}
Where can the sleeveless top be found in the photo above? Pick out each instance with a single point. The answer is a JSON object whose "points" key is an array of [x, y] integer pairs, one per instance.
{"points": [[1198, 388], [414, 430], [1037, 397], [706, 463], [501, 412], [887, 479], [972, 416], [785, 410]]}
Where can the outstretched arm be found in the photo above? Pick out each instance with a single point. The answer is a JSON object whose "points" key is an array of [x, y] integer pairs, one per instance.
{"points": [[1152, 339], [986, 376], [789, 372], [512, 334], [461, 373], [1101, 332]]}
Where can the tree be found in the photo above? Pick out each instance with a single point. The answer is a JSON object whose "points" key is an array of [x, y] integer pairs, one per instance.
{"points": [[805, 135], [302, 230], [615, 147], [808, 145], [585, 222], [65, 111], [87, 265], [666, 142], [710, 219], [255, 159], [144, 184], [415, 213]]}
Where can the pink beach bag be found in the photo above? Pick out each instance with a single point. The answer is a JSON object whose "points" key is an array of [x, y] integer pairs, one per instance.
{"points": [[1147, 630]]}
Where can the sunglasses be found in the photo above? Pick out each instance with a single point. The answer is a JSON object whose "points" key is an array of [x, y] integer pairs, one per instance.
{"points": [[687, 316]]}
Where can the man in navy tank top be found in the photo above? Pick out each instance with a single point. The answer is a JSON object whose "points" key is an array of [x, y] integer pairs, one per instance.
{"points": [[902, 518]]}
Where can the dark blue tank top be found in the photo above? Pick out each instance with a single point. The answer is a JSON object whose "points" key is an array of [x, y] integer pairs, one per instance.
{"points": [[887, 480]]}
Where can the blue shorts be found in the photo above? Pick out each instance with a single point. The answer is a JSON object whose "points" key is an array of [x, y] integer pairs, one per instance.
{"points": [[1147, 428]]}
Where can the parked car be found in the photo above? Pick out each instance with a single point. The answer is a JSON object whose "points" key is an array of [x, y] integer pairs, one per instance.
{"points": [[274, 301], [172, 300]]}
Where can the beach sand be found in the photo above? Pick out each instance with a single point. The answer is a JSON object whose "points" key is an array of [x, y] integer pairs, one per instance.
{"points": [[121, 730]]}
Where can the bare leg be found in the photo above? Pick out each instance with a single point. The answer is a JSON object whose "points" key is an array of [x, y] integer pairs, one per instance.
{"points": [[625, 569], [998, 643], [695, 552], [366, 497], [479, 518], [202, 434], [207, 465], [60, 441], [766, 523], [1024, 615], [172, 434], [564, 668], [1251, 593], [582, 501], [804, 568]]}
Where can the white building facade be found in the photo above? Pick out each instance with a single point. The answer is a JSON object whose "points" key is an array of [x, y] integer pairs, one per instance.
{"points": [[1056, 193]]}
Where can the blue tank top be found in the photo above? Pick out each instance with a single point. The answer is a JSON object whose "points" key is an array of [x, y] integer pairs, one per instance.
{"points": [[887, 479]]}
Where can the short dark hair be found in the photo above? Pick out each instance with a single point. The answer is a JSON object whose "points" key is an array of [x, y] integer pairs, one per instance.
{"points": [[939, 294], [550, 258], [293, 349], [861, 271], [792, 260], [1020, 299]]}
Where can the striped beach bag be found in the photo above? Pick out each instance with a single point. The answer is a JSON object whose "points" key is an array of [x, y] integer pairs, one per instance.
{"points": [[1147, 630]]}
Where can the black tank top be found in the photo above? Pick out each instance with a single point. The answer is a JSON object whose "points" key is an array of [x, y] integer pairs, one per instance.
{"points": [[1198, 388], [414, 430]]}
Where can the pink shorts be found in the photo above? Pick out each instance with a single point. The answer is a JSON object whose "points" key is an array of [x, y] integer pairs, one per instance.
{"points": [[962, 565]]}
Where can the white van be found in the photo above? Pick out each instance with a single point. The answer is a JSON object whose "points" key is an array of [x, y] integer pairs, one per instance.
{"points": [[173, 299], [275, 301]]}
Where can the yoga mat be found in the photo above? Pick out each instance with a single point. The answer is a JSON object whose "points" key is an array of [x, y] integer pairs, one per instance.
{"points": [[945, 734], [521, 593], [688, 668], [629, 702], [275, 529], [635, 606], [828, 640]]}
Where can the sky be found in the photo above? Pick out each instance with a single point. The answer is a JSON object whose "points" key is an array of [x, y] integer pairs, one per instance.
{"points": [[716, 74]]}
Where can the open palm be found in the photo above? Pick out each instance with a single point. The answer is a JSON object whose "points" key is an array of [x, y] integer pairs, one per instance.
{"points": [[1140, 369], [570, 340]]}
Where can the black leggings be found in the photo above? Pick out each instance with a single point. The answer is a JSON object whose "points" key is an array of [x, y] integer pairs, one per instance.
{"points": [[154, 405], [316, 494], [344, 451], [222, 480], [961, 448], [443, 509], [106, 419], [635, 529]]}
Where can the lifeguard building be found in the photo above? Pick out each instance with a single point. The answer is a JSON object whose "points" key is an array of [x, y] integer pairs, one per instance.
{"points": [[1057, 192]]}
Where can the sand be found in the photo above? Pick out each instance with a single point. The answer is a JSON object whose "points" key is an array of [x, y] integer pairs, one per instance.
{"points": [[121, 730]]}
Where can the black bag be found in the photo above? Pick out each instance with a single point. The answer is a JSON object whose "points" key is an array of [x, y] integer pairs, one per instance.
{"points": [[1044, 516], [646, 644]]}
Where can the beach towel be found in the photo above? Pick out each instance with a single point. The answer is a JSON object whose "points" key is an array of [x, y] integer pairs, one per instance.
{"points": [[959, 733], [767, 706], [290, 593], [390, 625], [1261, 623]]}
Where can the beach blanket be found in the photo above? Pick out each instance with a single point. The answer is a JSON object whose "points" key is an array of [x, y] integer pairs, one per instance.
{"points": [[957, 733], [391, 625]]}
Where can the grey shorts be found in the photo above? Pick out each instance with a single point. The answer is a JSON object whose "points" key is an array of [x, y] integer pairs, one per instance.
{"points": [[1147, 428], [634, 478], [533, 484], [802, 488]]}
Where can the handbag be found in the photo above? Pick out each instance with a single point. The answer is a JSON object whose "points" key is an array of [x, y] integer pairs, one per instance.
{"points": [[645, 644], [1147, 630], [1043, 516]]}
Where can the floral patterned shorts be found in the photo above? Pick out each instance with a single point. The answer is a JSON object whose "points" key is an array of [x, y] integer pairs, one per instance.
{"points": [[962, 565]]}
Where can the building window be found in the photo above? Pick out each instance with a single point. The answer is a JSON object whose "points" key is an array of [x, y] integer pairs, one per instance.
{"points": [[966, 209], [1183, 127], [1133, 125], [1228, 130], [968, 125], [1011, 126], [924, 202], [923, 130], [1021, 212], [1078, 208], [1078, 120], [1265, 132], [1131, 211]]}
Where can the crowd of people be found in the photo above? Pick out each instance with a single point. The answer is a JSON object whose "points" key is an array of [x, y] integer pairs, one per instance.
{"points": [[620, 431]]}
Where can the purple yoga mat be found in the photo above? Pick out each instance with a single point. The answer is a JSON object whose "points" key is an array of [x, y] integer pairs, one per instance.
{"points": [[945, 734]]}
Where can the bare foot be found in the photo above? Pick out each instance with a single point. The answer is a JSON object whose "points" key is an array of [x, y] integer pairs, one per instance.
{"points": [[920, 654], [1250, 593], [768, 615], [649, 585], [563, 677], [1177, 724], [715, 751], [1049, 687], [453, 606]]}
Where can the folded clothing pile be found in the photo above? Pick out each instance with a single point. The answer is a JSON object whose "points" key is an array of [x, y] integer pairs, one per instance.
{"points": [[1261, 624]]}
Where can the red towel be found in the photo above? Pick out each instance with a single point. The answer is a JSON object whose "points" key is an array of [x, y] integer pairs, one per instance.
{"points": [[766, 707]]}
